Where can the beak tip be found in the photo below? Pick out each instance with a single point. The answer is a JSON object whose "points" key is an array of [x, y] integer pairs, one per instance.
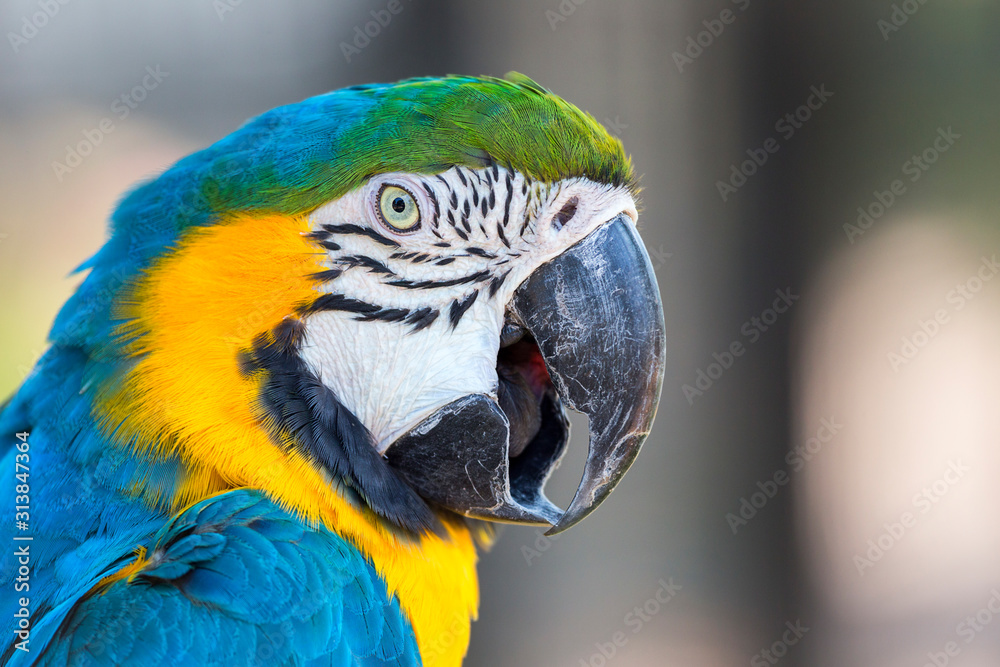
{"points": [[570, 518], [597, 485]]}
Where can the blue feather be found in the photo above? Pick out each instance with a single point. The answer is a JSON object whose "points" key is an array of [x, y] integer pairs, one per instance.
{"points": [[250, 585]]}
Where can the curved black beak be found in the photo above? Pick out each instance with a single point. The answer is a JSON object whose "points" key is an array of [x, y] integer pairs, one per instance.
{"points": [[595, 314]]}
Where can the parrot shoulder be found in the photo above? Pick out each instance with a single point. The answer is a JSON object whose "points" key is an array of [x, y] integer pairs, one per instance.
{"points": [[235, 579]]}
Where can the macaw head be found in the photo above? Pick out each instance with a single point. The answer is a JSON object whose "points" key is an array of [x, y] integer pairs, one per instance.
{"points": [[388, 294]]}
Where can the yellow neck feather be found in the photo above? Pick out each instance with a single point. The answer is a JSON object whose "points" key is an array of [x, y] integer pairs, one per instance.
{"points": [[187, 319]]}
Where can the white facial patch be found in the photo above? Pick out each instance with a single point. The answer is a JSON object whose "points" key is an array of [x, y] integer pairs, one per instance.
{"points": [[410, 321]]}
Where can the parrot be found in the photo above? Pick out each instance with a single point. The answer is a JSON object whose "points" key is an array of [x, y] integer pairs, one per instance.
{"points": [[310, 369]]}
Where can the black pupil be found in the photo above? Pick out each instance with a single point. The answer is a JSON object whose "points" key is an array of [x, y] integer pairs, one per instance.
{"points": [[398, 204]]}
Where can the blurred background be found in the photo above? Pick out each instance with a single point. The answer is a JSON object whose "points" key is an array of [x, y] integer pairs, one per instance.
{"points": [[820, 189]]}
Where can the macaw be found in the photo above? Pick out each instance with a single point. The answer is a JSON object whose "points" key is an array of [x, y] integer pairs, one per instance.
{"points": [[310, 365]]}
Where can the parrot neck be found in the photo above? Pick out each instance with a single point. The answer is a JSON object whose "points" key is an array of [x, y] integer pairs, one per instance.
{"points": [[183, 396]]}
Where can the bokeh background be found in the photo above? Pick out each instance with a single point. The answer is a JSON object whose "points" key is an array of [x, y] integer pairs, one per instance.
{"points": [[829, 497]]}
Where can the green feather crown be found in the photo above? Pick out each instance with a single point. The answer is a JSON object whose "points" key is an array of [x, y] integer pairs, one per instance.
{"points": [[297, 157], [428, 125]]}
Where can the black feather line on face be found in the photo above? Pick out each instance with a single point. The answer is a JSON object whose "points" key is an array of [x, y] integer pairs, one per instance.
{"points": [[524, 224], [437, 210], [477, 277], [422, 318], [370, 312], [361, 231], [503, 237], [299, 405], [337, 302], [497, 282], [387, 315], [460, 307], [326, 276], [506, 204], [373, 265]]}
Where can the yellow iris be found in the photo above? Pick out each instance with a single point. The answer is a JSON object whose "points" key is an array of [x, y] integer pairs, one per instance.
{"points": [[398, 209]]}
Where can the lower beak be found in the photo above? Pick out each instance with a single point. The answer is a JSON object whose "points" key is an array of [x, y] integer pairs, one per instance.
{"points": [[595, 314]]}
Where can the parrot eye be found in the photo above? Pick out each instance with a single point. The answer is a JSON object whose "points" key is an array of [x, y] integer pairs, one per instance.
{"points": [[398, 209]]}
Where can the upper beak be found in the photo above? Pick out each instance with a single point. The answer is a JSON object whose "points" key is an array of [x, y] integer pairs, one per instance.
{"points": [[595, 314]]}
